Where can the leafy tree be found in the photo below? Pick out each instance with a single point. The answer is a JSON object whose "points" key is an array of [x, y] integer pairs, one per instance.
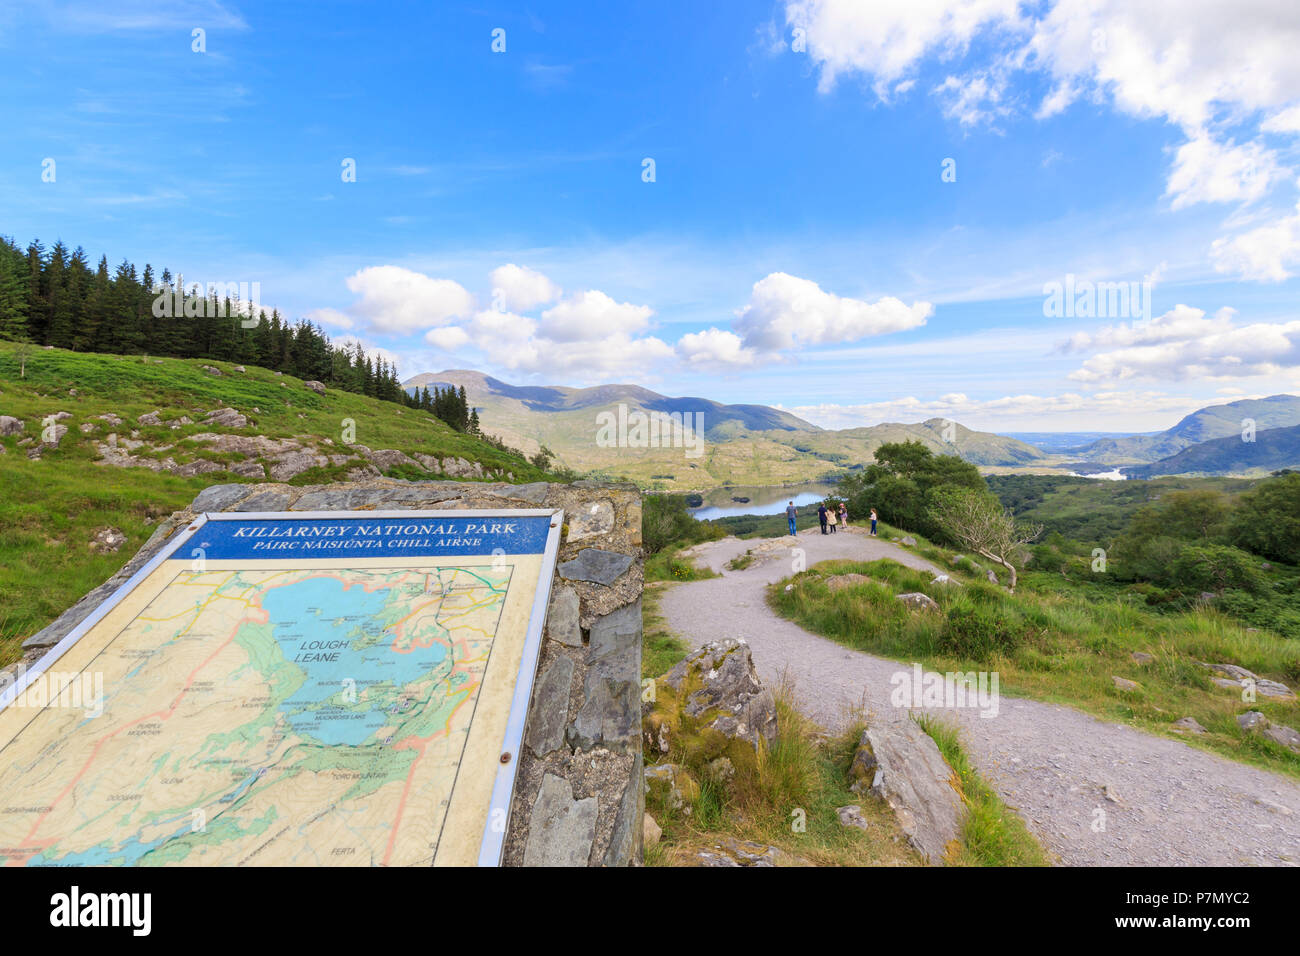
{"points": [[1214, 567], [902, 482], [977, 520], [1267, 519]]}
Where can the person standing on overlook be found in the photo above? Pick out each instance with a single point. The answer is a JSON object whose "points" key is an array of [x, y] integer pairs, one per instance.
{"points": [[821, 516], [873, 522], [790, 513], [844, 514]]}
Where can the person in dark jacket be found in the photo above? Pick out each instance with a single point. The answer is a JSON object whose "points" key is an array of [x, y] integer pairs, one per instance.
{"points": [[821, 516]]}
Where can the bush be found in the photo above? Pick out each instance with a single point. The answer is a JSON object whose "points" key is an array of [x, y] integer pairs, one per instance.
{"points": [[665, 521], [1214, 568], [978, 633]]}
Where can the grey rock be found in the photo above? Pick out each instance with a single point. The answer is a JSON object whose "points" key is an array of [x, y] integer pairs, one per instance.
{"points": [[317, 387], [918, 601], [211, 370], [113, 420], [728, 686], [1253, 722], [560, 829], [248, 469], [1188, 725], [651, 832], [1142, 657], [223, 417], [550, 708], [908, 541], [10, 425], [149, 418], [1227, 682], [107, 541], [851, 816], [268, 500], [992, 576], [625, 840], [533, 492], [1271, 688], [593, 564], [562, 617], [1232, 670], [218, 497], [913, 779], [591, 521], [1124, 684], [295, 463], [199, 466]]}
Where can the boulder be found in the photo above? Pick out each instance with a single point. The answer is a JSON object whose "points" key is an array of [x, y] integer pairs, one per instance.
{"points": [[1253, 722], [733, 852], [317, 387], [386, 458], [223, 418], [851, 816], [673, 784], [717, 691], [211, 370], [912, 778], [149, 418], [1125, 685], [908, 541], [1188, 725], [295, 463], [918, 601], [10, 425], [1271, 688], [651, 833]]}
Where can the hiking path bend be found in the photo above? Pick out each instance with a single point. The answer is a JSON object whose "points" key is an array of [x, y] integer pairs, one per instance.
{"points": [[1166, 803]]}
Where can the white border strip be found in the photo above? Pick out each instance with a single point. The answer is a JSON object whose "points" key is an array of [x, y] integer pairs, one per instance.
{"points": [[503, 789]]}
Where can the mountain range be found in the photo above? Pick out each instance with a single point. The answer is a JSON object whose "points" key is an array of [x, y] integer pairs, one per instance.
{"points": [[746, 444], [761, 445], [1206, 424]]}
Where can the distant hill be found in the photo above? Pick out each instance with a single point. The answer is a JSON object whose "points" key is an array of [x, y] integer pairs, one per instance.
{"points": [[1272, 449], [1206, 424], [745, 444]]}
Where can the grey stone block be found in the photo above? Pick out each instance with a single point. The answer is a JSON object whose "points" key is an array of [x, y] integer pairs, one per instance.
{"points": [[265, 501], [560, 829], [562, 617], [219, 497], [625, 842], [593, 564], [550, 710]]}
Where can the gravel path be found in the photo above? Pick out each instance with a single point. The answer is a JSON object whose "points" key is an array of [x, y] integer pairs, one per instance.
{"points": [[1161, 801]]}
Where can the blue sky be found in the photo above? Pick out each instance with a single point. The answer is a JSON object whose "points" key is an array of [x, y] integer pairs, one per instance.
{"points": [[798, 244]]}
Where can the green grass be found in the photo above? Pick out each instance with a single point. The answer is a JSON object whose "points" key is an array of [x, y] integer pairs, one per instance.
{"points": [[661, 648], [1059, 646], [787, 800], [50, 508], [992, 834], [668, 565]]}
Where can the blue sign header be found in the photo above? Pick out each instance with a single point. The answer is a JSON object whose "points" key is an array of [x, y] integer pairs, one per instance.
{"points": [[421, 536]]}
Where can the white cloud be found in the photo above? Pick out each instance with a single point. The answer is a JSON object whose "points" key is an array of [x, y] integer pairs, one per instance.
{"points": [[1005, 413], [332, 318], [1180, 323], [1208, 171], [716, 349], [1199, 64], [885, 39], [1189, 347], [449, 338], [785, 311], [1263, 254], [520, 288], [592, 314], [400, 301]]}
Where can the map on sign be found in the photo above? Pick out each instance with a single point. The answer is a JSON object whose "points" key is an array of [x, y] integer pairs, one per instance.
{"points": [[294, 690]]}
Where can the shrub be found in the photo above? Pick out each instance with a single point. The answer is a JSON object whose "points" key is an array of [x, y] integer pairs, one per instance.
{"points": [[1214, 568], [978, 633]]}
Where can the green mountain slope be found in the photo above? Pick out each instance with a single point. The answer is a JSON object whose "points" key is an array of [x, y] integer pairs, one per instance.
{"points": [[746, 444], [1206, 424], [1272, 449], [54, 498]]}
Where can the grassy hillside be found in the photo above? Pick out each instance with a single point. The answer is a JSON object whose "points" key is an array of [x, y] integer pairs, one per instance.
{"points": [[1215, 421], [52, 506]]}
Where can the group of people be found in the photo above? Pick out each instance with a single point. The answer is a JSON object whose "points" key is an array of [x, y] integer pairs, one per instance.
{"points": [[830, 518]]}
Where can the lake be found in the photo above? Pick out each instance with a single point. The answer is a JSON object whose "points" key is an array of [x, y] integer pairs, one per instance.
{"points": [[763, 500]]}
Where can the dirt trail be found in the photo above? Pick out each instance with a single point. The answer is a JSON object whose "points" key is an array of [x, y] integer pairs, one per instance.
{"points": [[1164, 802]]}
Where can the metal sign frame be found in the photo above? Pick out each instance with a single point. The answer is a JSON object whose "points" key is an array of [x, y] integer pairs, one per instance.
{"points": [[493, 839]]}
